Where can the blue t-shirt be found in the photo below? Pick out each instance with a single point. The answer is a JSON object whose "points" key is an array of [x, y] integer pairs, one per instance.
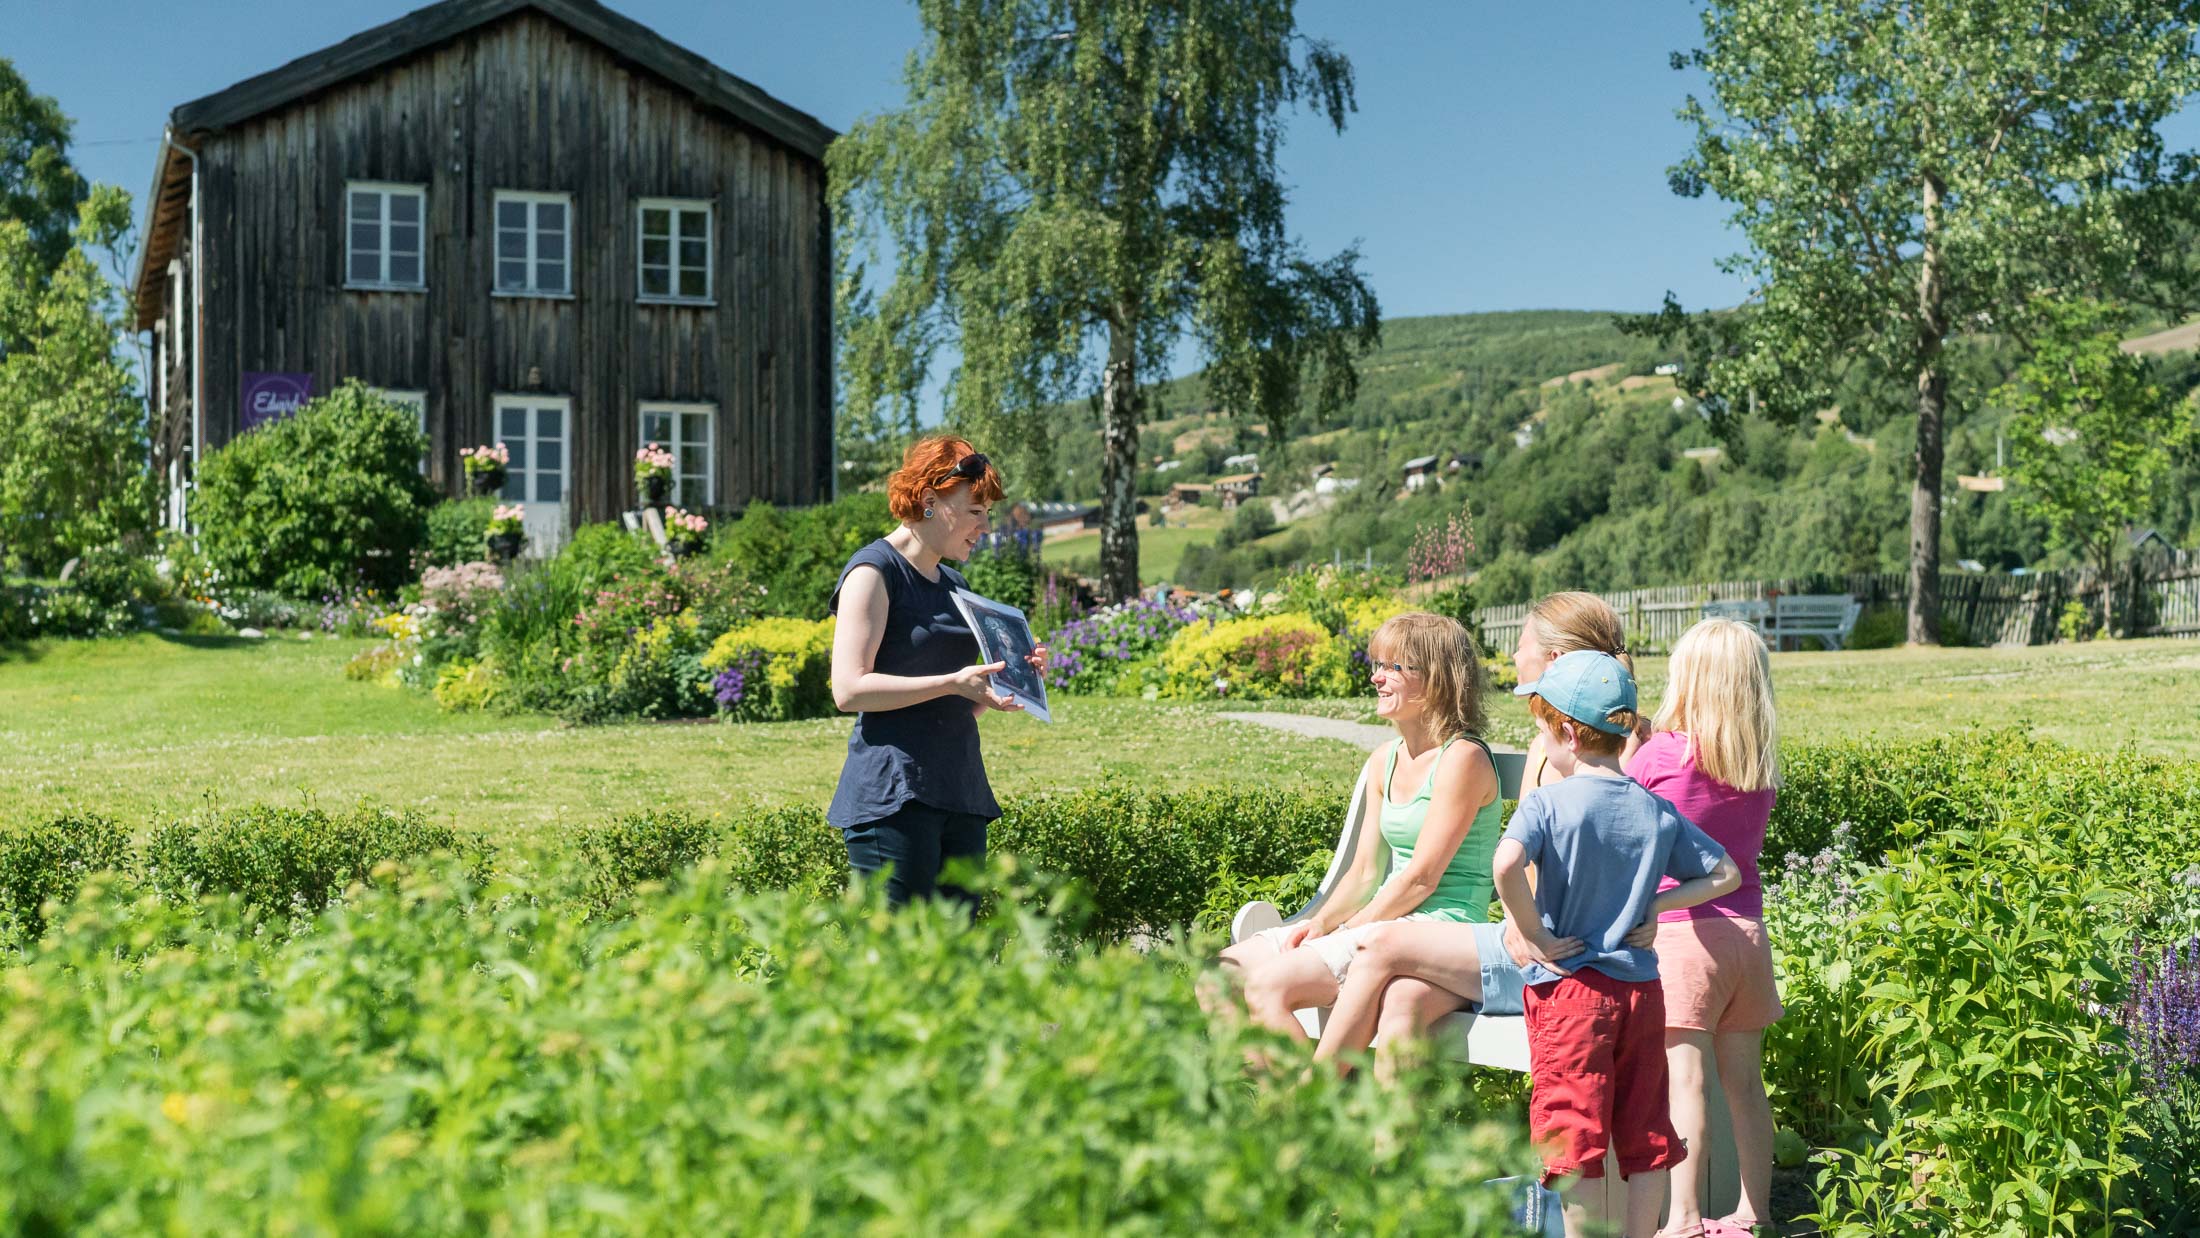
{"points": [[927, 752], [1600, 846]]}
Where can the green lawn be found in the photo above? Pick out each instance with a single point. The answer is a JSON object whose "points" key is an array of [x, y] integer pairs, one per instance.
{"points": [[145, 725], [1160, 551]]}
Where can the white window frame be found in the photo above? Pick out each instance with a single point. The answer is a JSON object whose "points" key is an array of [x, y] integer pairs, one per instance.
{"points": [[533, 262], [676, 207], [525, 469], [388, 190], [418, 402], [673, 443]]}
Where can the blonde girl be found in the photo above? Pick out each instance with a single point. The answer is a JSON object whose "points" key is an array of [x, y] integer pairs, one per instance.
{"points": [[1433, 794], [1714, 755]]}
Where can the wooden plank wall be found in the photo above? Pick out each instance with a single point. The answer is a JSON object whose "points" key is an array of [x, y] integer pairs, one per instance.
{"points": [[526, 104], [2160, 589]]}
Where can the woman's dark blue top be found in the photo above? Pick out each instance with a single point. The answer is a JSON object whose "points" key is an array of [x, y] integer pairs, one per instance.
{"points": [[926, 752]]}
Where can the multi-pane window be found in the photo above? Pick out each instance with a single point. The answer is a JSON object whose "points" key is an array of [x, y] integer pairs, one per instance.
{"points": [[685, 431], [674, 235], [534, 243], [532, 429], [382, 229]]}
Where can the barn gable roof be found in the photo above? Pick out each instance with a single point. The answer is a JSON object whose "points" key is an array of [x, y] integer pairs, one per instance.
{"points": [[439, 23], [417, 32]]}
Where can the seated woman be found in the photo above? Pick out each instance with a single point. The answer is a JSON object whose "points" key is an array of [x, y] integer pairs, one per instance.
{"points": [[1435, 800], [1407, 976]]}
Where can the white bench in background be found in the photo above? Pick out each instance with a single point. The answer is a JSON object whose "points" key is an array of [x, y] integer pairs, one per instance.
{"points": [[1755, 613], [1496, 1041], [1827, 616]]}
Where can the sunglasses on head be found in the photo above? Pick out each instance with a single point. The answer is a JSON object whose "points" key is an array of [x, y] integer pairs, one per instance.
{"points": [[970, 468]]}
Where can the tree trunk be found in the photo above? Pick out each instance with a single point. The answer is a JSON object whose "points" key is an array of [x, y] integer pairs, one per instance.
{"points": [[1119, 408], [1932, 399]]}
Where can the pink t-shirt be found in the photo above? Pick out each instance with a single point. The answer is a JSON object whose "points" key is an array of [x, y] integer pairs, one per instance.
{"points": [[1736, 819]]}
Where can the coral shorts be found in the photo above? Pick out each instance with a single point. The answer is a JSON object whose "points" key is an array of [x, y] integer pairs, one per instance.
{"points": [[1718, 974]]}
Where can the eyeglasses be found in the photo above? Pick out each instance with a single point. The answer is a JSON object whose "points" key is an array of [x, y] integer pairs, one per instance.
{"points": [[1395, 668], [970, 468]]}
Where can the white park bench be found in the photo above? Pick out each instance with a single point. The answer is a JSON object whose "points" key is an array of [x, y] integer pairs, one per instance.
{"points": [[1757, 613], [1496, 1041], [1828, 616]]}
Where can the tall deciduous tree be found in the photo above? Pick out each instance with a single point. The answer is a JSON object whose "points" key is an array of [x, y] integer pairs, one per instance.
{"points": [[72, 430], [2091, 434], [39, 187], [1074, 187], [1909, 169]]}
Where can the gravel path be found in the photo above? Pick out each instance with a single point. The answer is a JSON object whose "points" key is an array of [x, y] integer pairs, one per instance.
{"points": [[1359, 734]]}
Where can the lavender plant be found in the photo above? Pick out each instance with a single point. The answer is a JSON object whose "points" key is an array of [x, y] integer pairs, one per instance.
{"points": [[2162, 1018], [1103, 651]]}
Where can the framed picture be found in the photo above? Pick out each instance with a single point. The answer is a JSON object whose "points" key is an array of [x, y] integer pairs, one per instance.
{"points": [[1004, 635]]}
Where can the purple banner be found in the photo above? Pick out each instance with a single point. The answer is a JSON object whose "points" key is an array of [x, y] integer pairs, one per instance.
{"points": [[271, 397]]}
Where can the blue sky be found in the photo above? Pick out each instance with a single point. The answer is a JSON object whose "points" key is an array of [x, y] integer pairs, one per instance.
{"points": [[1505, 156]]}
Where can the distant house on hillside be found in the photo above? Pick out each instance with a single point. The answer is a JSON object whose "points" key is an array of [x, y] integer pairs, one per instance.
{"points": [[1464, 461], [1668, 369], [1248, 460], [1418, 471], [1237, 488], [1323, 470], [1189, 493], [531, 221]]}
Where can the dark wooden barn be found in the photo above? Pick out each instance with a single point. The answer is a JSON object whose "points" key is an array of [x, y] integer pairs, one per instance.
{"points": [[537, 222]]}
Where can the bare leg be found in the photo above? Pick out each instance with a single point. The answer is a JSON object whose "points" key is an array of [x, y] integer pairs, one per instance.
{"points": [[1685, 1049], [1742, 1072], [1287, 982], [1440, 953], [1645, 1198], [1410, 1005]]}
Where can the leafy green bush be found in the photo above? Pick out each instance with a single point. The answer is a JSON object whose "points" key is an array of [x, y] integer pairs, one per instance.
{"points": [[466, 687], [773, 670], [2133, 817], [48, 860], [796, 555], [613, 858], [1146, 861], [326, 499], [1881, 627], [276, 859], [1257, 657], [2003, 1095], [599, 554], [435, 1056], [458, 529], [1008, 574]]}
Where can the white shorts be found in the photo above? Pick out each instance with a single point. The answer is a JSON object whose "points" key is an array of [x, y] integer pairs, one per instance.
{"points": [[1335, 949]]}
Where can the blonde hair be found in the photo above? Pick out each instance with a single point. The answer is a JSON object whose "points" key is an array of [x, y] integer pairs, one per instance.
{"points": [[1570, 622], [1718, 692], [1451, 669]]}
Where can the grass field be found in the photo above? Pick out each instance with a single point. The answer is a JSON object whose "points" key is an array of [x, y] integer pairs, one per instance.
{"points": [[1160, 551], [143, 726]]}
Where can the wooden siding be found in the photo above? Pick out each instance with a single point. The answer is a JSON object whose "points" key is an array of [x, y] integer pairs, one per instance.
{"points": [[527, 104]]}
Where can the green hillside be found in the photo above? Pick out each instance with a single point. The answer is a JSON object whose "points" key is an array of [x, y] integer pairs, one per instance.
{"points": [[1610, 480]]}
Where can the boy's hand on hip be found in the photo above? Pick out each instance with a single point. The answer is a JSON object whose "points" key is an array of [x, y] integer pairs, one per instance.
{"points": [[1644, 935], [1538, 945]]}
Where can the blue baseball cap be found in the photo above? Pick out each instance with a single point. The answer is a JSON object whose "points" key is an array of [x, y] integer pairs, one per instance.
{"points": [[1588, 687]]}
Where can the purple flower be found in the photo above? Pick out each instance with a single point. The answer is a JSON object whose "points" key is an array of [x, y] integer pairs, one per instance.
{"points": [[2163, 1013]]}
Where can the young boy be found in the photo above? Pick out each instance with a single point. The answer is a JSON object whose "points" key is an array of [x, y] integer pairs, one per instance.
{"points": [[1596, 1017]]}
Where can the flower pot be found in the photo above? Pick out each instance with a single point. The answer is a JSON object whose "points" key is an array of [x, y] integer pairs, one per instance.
{"points": [[487, 481], [656, 490], [682, 547], [504, 547]]}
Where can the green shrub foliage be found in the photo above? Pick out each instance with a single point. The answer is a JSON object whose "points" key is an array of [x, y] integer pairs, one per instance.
{"points": [[325, 500], [796, 555], [458, 530], [278, 859], [46, 861], [438, 1057]]}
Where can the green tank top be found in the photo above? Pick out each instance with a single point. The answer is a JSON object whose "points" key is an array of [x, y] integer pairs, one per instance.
{"points": [[1463, 893]]}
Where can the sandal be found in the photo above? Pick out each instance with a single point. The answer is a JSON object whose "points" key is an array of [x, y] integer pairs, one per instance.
{"points": [[1726, 1227], [1701, 1229]]}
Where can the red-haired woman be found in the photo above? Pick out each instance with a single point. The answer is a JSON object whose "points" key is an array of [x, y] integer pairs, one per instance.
{"points": [[913, 793]]}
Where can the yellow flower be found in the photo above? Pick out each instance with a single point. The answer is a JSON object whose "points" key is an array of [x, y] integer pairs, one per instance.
{"points": [[175, 1107]]}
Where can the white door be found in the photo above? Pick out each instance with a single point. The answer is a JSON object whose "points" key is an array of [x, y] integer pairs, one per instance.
{"points": [[534, 429]]}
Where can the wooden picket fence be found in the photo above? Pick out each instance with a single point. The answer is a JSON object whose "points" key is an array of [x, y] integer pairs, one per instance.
{"points": [[2156, 594]]}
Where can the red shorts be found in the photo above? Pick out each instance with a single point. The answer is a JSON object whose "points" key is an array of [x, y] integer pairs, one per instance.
{"points": [[1596, 1049]]}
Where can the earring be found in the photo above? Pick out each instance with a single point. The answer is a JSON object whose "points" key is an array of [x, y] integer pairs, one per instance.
{"points": [[927, 513]]}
